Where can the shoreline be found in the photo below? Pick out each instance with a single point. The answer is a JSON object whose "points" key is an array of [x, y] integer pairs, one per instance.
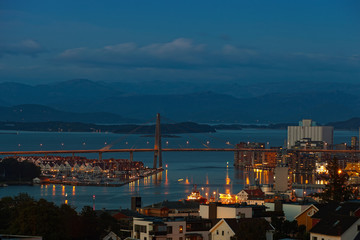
{"points": [[106, 184]]}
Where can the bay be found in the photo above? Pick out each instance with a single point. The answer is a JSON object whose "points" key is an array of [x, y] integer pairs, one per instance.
{"points": [[208, 170]]}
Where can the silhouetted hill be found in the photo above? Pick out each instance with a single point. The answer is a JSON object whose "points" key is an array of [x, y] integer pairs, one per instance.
{"points": [[40, 113], [55, 126], [199, 102], [351, 124]]}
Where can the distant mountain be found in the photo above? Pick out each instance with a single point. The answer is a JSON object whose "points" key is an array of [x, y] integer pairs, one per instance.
{"points": [[40, 113], [56, 126], [351, 124], [184, 101]]}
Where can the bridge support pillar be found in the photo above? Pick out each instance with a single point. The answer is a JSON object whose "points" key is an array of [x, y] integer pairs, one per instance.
{"points": [[100, 156], [73, 156], [131, 156], [157, 147]]}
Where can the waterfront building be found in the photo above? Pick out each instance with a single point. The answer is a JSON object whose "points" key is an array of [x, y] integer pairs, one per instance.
{"points": [[307, 143], [308, 129], [243, 158], [354, 143]]}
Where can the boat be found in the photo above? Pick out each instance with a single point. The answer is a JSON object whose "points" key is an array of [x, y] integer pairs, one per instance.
{"points": [[196, 196]]}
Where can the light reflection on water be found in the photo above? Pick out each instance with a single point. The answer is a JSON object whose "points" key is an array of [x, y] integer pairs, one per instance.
{"points": [[208, 170]]}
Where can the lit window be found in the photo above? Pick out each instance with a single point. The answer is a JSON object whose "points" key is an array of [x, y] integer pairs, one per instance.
{"points": [[180, 229]]}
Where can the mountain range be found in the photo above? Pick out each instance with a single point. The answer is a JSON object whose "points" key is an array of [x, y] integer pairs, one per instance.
{"points": [[109, 102]]}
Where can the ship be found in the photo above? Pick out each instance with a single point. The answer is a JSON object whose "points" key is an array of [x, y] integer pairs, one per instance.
{"points": [[196, 196]]}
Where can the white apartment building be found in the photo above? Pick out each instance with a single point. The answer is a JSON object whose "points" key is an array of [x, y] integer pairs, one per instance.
{"points": [[308, 129]]}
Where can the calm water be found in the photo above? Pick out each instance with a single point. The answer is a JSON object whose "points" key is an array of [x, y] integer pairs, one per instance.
{"points": [[208, 170]]}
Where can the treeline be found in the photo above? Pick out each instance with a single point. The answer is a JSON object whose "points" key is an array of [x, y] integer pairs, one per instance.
{"points": [[22, 215], [13, 170]]}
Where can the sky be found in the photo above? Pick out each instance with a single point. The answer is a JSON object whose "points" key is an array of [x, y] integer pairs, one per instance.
{"points": [[47, 41]]}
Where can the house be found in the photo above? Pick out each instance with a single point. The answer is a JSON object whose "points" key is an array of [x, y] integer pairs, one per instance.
{"points": [[251, 196], [111, 236], [250, 228], [336, 227], [151, 228], [345, 209], [218, 211], [198, 228], [176, 228], [304, 218], [291, 209], [172, 209]]}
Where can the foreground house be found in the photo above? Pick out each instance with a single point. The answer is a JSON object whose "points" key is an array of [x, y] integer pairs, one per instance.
{"points": [[172, 209], [305, 217], [336, 227], [218, 211], [241, 228]]}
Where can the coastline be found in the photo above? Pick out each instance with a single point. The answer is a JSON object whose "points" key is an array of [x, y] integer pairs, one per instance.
{"points": [[106, 184]]}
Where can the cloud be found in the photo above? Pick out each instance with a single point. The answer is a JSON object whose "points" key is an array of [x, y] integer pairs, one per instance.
{"points": [[197, 58], [179, 53], [27, 47]]}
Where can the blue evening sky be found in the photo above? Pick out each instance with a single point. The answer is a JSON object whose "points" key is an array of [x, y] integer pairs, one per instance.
{"points": [[243, 41]]}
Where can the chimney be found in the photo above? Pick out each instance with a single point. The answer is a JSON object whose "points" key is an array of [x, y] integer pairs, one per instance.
{"points": [[212, 210], [278, 206]]}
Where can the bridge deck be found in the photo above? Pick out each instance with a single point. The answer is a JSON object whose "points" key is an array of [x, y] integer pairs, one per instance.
{"points": [[168, 150]]}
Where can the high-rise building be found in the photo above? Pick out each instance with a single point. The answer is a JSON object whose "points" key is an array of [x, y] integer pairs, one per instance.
{"points": [[282, 180], [354, 143], [308, 129]]}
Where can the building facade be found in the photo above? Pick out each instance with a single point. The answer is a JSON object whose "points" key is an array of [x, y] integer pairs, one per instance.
{"points": [[308, 129]]}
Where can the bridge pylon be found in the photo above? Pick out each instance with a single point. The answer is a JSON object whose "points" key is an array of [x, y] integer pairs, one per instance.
{"points": [[157, 146]]}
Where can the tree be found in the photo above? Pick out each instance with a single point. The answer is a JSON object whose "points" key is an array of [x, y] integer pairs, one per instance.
{"points": [[13, 170], [22, 215], [337, 189]]}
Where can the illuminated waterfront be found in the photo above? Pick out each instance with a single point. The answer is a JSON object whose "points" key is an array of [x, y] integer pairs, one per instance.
{"points": [[206, 169]]}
